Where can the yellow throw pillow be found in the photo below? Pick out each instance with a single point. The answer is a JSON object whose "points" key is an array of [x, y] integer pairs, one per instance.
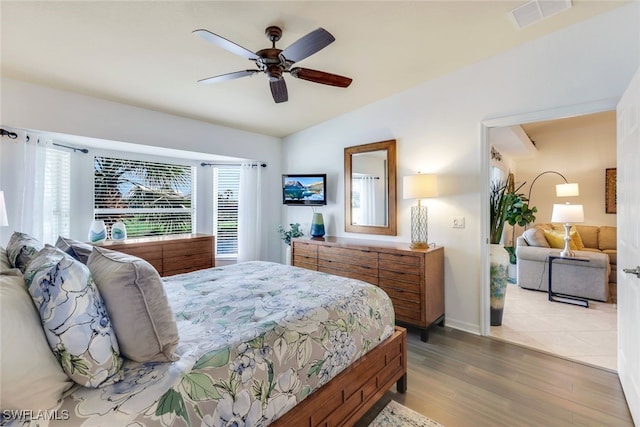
{"points": [[556, 239]]}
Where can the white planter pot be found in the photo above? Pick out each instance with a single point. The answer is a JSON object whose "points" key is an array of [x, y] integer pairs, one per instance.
{"points": [[499, 277]]}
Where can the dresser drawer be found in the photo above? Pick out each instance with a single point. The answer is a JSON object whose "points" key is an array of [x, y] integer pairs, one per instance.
{"points": [[399, 262], [305, 262], [408, 281], [187, 247], [349, 256], [347, 270], [304, 250]]}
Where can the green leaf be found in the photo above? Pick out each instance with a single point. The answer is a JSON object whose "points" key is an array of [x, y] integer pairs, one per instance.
{"points": [[214, 359], [172, 403], [200, 387], [315, 368]]}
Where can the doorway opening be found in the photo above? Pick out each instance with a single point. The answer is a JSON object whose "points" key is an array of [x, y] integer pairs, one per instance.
{"points": [[529, 318]]}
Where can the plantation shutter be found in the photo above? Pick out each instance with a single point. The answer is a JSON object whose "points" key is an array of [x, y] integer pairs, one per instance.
{"points": [[57, 195], [151, 198], [226, 187]]}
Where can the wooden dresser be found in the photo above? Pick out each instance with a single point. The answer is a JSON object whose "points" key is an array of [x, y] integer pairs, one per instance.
{"points": [[180, 253], [413, 279]]}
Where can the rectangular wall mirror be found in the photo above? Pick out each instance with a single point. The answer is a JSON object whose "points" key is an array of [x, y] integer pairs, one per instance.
{"points": [[370, 188]]}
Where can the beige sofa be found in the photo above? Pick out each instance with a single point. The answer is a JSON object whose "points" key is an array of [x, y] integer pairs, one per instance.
{"points": [[595, 279]]}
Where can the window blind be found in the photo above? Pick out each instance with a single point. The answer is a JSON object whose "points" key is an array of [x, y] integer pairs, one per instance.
{"points": [[151, 198], [226, 189]]}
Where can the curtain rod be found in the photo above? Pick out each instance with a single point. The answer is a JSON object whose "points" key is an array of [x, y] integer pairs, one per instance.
{"points": [[264, 165], [82, 150]]}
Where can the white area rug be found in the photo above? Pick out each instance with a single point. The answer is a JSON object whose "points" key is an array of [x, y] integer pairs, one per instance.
{"points": [[397, 415]]}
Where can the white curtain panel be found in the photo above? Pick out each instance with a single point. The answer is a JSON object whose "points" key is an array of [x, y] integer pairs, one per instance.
{"points": [[368, 200], [30, 166], [249, 214]]}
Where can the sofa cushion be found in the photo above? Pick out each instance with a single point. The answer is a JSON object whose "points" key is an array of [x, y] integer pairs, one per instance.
{"points": [[135, 298], [556, 239], [589, 235], [607, 238], [74, 318], [613, 256], [21, 249], [31, 375], [78, 250], [535, 237]]}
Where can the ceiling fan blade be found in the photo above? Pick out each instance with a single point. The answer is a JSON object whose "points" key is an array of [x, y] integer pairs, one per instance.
{"points": [[279, 90], [308, 45], [228, 76], [320, 77], [225, 44]]}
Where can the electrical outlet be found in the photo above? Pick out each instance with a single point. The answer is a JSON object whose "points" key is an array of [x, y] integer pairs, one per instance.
{"points": [[458, 222]]}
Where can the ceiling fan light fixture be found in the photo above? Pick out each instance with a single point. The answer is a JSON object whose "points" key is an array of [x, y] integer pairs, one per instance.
{"points": [[274, 62]]}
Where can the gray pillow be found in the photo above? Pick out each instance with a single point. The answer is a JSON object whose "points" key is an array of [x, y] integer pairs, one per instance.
{"points": [[535, 237], [78, 250], [21, 249], [137, 304]]}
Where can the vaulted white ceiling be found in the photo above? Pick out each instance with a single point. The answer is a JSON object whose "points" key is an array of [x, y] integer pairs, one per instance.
{"points": [[143, 53]]}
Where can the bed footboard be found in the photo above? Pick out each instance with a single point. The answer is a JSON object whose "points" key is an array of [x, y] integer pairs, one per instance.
{"points": [[348, 396]]}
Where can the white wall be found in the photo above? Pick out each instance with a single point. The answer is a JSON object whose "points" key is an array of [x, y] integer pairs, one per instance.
{"points": [[34, 107], [437, 126]]}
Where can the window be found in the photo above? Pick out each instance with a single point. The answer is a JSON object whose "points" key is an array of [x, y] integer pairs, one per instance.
{"points": [[226, 189], [56, 199], [151, 198]]}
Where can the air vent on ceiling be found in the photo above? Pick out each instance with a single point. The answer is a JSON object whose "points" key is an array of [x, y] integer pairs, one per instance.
{"points": [[536, 10]]}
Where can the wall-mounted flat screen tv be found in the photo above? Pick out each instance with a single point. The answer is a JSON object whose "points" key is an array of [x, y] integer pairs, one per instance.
{"points": [[304, 189]]}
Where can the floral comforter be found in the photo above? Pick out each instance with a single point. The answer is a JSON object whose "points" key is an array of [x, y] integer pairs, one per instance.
{"points": [[255, 339]]}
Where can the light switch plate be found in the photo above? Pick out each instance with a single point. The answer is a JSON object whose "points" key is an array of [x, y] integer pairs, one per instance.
{"points": [[458, 222]]}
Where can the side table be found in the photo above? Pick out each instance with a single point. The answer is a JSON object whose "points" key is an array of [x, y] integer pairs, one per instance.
{"points": [[564, 298]]}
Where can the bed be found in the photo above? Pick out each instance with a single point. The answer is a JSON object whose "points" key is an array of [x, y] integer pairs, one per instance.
{"points": [[259, 343]]}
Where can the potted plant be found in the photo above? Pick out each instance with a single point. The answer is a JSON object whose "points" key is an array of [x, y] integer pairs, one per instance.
{"points": [[518, 213], [286, 236], [506, 206]]}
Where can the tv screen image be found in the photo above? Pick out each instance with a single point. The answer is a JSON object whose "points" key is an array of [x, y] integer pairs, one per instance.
{"points": [[304, 189]]}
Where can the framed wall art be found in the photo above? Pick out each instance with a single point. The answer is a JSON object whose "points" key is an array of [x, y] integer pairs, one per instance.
{"points": [[610, 191]]}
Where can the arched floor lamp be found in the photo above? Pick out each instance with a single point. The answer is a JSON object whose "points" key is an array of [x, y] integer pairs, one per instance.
{"points": [[568, 189]]}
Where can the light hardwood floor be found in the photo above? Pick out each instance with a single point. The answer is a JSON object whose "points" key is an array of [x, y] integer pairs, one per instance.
{"points": [[461, 379], [585, 334]]}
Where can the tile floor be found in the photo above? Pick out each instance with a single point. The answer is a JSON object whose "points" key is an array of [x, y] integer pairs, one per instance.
{"points": [[585, 334]]}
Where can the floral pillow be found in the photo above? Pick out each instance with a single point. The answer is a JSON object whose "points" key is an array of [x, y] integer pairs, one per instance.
{"points": [[21, 248], [75, 319]]}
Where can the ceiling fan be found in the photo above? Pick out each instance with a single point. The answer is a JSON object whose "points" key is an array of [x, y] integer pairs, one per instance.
{"points": [[275, 62]]}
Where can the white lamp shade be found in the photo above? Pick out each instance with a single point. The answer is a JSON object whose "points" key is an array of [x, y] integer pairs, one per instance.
{"points": [[419, 186], [567, 213], [4, 221], [569, 189]]}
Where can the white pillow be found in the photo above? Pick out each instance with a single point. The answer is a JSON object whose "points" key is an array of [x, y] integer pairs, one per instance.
{"points": [[31, 377]]}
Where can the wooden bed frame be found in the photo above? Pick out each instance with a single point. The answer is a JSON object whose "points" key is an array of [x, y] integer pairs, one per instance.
{"points": [[348, 396]]}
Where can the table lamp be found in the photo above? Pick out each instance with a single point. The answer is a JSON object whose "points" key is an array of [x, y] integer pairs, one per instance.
{"points": [[567, 214], [419, 187]]}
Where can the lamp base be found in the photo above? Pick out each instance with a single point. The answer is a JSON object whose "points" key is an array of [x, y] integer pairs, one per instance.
{"points": [[419, 235], [419, 245], [566, 251]]}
